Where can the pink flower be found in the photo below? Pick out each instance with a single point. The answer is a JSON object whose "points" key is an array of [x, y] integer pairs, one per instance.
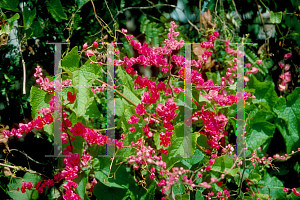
{"points": [[216, 34], [124, 30], [208, 168], [281, 87], [248, 65], [286, 56], [89, 53], [211, 162], [205, 185], [71, 97], [287, 76], [246, 78], [281, 65], [95, 44], [132, 129], [287, 67], [227, 43], [286, 190], [259, 62], [85, 46], [254, 70]]}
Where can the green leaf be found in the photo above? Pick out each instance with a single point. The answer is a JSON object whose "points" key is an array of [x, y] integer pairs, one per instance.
{"points": [[28, 177], [222, 163], [85, 76], [80, 2], [70, 63], [10, 5], [9, 25], [275, 17], [260, 130], [254, 177], [268, 181], [297, 167], [28, 17], [38, 99], [215, 76], [37, 29], [179, 144], [82, 181], [202, 141], [182, 197], [180, 100], [119, 107], [198, 156], [127, 93], [125, 78], [56, 10], [199, 195], [289, 110], [264, 92]]}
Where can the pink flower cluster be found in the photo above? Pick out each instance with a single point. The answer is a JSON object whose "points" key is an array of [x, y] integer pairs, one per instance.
{"points": [[286, 77], [38, 123], [214, 126], [144, 156], [98, 89], [44, 82], [25, 186]]}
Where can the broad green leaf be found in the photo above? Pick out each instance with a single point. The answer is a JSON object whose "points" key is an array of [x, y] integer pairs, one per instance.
{"points": [[28, 177], [28, 17], [215, 76], [255, 177], [9, 25], [264, 92], [127, 93], [180, 100], [10, 5], [275, 17], [70, 62], [289, 110], [119, 107], [37, 29], [53, 194], [38, 99], [80, 2], [197, 157], [56, 10], [199, 195], [222, 163], [122, 181], [86, 76], [178, 188], [82, 181], [180, 145], [268, 181], [202, 141], [125, 78], [182, 197], [260, 130]]}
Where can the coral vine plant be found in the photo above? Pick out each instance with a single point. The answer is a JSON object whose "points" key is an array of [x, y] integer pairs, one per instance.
{"points": [[152, 135]]}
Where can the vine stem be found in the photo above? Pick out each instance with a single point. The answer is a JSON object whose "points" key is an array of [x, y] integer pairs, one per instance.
{"points": [[25, 170]]}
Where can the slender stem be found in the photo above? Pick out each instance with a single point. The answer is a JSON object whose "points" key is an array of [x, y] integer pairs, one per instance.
{"points": [[25, 170], [236, 10]]}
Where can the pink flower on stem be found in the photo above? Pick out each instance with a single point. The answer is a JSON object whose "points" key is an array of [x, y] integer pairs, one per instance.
{"points": [[259, 62], [124, 30], [89, 53], [85, 46], [286, 56], [281, 65], [95, 44]]}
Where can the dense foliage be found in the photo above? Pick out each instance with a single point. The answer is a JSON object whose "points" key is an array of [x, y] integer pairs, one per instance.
{"points": [[150, 144]]}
